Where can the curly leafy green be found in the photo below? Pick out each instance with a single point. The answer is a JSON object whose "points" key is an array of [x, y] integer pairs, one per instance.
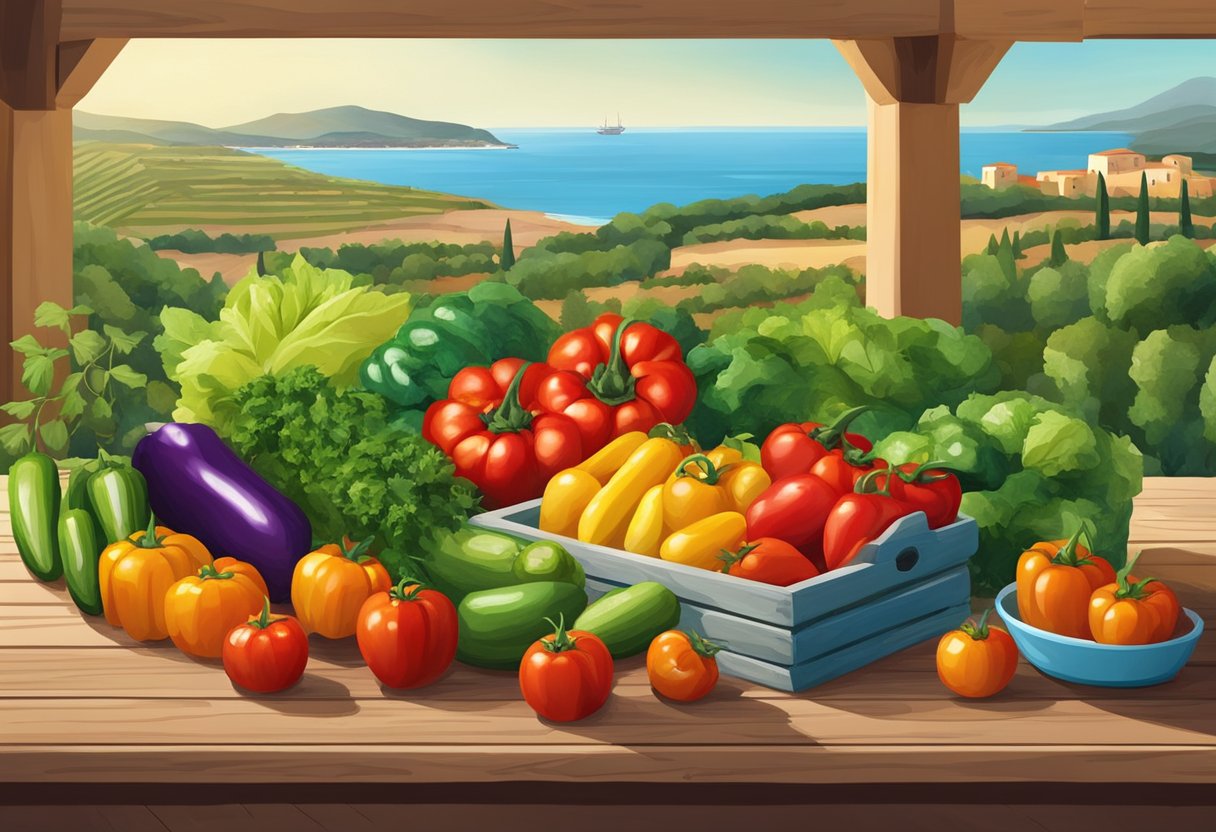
{"points": [[340, 457]]}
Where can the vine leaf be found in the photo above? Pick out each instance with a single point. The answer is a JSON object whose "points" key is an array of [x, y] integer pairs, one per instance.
{"points": [[38, 373], [87, 346], [123, 342], [20, 410], [55, 434], [15, 438], [123, 374]]}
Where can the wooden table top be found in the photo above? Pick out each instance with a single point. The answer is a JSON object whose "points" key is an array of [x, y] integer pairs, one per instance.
{"points": [[81, 702]]}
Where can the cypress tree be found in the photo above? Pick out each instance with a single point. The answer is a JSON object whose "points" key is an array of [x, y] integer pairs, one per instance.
{"points": [[261, 264], [1185, 227], [1004, 256], [992, 244], [507, 259], [1017, 246], [1142, 228], [1102, 217], [1058, 255]]}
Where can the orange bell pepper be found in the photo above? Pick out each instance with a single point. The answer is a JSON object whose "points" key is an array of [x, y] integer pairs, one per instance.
{"points": [[330, 585], [1055, 580]]}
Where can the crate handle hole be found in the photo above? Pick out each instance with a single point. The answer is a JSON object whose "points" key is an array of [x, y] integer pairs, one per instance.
{"points": [[906, 560]]}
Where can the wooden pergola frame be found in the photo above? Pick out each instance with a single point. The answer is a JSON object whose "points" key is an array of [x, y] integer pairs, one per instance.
{"points": [[917, 59]]}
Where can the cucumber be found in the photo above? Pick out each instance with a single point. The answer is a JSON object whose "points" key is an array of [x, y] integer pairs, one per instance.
{"points": [[80, 547], [497, 626], [627, 619], [470, 560], [33, 502], [545, 560]]}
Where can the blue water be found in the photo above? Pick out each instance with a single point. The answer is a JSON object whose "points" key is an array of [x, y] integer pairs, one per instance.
{"points": [[579, 174]]}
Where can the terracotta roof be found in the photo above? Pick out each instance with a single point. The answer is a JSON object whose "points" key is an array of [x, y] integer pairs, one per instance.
{"points": [[1023, 179], [999, 165], [1118, 151]]}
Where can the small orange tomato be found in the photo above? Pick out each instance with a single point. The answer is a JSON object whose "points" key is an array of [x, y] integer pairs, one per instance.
{"points": [[1133, 612], [201, 609], [681, 666], [1054, 582], [976, 660], [329, 586]]}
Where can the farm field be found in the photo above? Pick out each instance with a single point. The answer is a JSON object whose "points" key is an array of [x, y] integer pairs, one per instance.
{"points": [[145, 190]]}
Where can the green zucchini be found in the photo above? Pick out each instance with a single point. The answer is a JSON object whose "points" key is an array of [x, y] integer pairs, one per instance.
{"points": [[80, 548], [497, 626], [627, 619], [33, 501], [470, 560]]}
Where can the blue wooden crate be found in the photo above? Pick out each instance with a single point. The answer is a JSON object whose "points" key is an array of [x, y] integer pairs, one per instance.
{"points": [[908, 585]]}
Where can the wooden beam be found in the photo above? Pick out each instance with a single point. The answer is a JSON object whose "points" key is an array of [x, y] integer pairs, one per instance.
{"points": [[81, 64], [35, 224], [914, 87], [29, 30]]}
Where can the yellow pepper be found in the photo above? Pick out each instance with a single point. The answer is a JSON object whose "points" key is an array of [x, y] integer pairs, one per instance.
{"points": [[693, 492], [645, 532], [608, 460], [607, 516], [702, 543], [566, 497]]}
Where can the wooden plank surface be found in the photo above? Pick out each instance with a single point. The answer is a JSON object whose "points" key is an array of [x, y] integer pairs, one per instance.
{"points": [[81, 702]]}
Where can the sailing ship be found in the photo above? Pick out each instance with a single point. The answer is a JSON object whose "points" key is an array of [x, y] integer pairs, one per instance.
{"points": [[607, 129]]}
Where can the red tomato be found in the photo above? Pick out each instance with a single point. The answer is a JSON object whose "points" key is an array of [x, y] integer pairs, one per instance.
{"points": [[794, 447], [770, 561], [794, 510], [408, 635], [934, 491], [266, 654], [614, 377], [499, 444], [566, 676], [842, 469], [857, 519]]}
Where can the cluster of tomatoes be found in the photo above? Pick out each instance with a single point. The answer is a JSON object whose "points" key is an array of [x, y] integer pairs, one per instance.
{"points": [[1065, 589], [511, 426], [830, 496]]}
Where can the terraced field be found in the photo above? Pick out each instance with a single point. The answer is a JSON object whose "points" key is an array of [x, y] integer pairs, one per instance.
{"points": [[147, 190]]}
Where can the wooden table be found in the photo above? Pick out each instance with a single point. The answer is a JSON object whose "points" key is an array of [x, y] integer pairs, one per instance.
{"points": [[89, 716]]}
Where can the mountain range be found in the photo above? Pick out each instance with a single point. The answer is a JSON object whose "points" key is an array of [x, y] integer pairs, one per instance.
{"points": [[347, 126], [1180, 120]]}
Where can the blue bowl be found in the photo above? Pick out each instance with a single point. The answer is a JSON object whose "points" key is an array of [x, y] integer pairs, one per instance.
{"points": [[1089, 663]]}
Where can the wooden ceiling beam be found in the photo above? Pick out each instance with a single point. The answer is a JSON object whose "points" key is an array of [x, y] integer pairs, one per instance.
{"points": [[81, 63]]}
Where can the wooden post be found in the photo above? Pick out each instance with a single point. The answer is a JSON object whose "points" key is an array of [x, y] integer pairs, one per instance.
{"points": [[914, 87], [40, 81]]}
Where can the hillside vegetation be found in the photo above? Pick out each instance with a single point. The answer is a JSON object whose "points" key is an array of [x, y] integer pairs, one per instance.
{"points": [[148, 190]]}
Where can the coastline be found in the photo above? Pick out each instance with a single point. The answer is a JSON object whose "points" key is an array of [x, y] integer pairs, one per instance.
{"points": [[385, 147]]}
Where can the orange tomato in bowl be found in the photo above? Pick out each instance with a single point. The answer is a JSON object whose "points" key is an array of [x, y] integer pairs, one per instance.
{"points": [[1131, 611], [1055, 580], [976, 660], [681, 666]]}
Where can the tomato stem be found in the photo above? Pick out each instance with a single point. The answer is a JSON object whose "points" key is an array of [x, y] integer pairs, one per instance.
{"points": [[358, 552], [561, 640], [613, 383], [400, 593], [150, 540], [730, 558], [510, 416], [1067, 556], [702, 645], [979, 630], [870, 477], [263, 619], [676, 433], [1127, 589]]}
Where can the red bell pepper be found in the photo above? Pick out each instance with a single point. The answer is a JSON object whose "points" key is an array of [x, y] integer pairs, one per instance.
{"points": [[794, 447], [617, 376], [503, 447], [860, 517]]}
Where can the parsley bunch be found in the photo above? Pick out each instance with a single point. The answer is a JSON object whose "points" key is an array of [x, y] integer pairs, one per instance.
{"points": [[353, 470]]}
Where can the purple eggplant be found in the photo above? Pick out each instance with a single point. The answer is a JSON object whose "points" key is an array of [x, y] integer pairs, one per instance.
{"points": [[198, 486]]}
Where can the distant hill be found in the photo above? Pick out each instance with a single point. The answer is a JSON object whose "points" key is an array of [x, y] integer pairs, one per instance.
{"points": [[1180, 120], [332, 127]]}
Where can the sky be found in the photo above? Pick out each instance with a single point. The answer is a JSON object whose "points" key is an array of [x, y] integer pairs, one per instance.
{"points": [[554, 83]]}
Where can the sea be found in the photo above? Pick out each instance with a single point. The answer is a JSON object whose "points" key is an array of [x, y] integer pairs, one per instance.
{"points": [[583, 177]]}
